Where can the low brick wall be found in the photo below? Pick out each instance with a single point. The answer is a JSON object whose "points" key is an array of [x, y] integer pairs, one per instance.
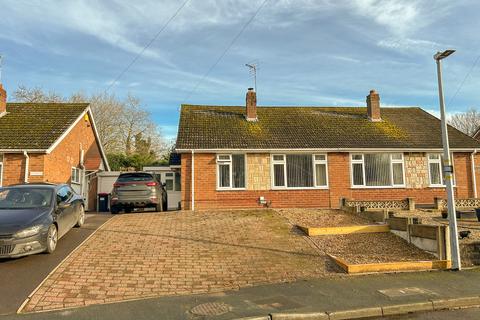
{"points": [[405, 204], [441, 203]]}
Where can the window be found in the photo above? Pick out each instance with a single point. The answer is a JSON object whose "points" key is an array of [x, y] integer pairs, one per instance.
{"points": [[377, 170], [178, 182], [435, 171], [231, 171], [75, 175], [1, 169], [299, 170], [64, 194]]}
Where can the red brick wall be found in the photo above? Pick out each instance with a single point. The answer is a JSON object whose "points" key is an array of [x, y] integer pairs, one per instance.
{"points": [[206, 195], [59, 163], [14, 168]]}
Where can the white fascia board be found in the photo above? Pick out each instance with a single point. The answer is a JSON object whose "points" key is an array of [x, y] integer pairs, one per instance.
{"points": [[97, 138], [23, 150], [324, 150]]}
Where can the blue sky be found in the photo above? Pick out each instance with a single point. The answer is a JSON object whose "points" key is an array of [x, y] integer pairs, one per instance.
{"points": [[322, 52]]}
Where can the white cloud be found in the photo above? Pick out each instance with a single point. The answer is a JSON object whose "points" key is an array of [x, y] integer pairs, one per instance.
{"points": [[411, 45]]}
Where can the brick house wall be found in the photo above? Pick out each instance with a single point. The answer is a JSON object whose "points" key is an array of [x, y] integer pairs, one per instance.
{"points": [[258, 183], [56, 166], [59, 163]]}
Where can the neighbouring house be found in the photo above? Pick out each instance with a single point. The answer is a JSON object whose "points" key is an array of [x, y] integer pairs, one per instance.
{"points": [[50, 142], [250, 156]]}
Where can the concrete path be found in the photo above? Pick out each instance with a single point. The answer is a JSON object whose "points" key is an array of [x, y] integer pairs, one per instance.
{"points": [[319, 295], [19, 277]]}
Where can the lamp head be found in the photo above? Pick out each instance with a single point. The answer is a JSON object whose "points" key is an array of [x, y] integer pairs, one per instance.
{"points": [[443, 55]]}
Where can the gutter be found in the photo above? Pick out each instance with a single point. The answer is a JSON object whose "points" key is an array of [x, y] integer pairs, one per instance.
{"points": [[474, 178], [27, 163], [193, 181], [293, 150]]}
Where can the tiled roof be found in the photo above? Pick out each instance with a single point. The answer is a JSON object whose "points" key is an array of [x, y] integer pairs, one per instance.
{"points": [[36, 125], [222, 127]]}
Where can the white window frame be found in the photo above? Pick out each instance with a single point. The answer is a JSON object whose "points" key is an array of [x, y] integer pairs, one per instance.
{"points": [[362, 162], [76, 175], [223, 159], [284, 163], [439, 161]]}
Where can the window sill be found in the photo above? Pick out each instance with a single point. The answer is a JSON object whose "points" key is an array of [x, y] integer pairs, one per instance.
{"points": [[74, 182], [378, 187], [231, 189], [299, 188], [439, 186]]}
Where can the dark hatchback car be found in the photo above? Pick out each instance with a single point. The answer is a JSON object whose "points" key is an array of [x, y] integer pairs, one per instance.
{"points": [[34, 216], [138, 190]]}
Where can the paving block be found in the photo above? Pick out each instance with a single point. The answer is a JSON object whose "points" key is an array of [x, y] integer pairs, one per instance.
{"points": [[406, 308], [440, 304], [300, 316], [355, 313]]}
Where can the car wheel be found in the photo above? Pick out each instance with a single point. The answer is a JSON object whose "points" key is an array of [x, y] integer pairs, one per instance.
{"points": [[52, 239], [114, 210], [128, 210], [81, 217]]}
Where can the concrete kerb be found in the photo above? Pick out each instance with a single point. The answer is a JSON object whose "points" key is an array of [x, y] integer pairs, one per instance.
{"points": [[429, 305]]}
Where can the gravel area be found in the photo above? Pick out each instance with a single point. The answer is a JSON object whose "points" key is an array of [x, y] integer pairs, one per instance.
{"points": [[322, 217], [435, 217], [370, 248]]}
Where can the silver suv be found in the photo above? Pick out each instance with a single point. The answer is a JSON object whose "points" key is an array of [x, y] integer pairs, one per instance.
{"points": [[138, 190]]}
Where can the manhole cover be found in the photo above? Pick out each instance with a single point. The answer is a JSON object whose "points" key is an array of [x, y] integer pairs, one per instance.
{"points": [[211, 309]]}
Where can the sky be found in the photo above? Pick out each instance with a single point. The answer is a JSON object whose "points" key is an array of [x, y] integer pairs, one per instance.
{"points": [[323, 52]]}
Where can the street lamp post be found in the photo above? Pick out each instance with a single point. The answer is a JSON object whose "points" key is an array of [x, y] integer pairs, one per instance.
{"points": [[447, 167]]}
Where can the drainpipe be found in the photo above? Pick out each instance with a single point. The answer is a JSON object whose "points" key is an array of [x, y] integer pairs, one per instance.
{"points": [[193, 180], [27, 160], [474, 178]]}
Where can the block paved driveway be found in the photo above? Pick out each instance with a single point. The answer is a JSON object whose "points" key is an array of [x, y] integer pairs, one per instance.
{"points": [[155, 254]]}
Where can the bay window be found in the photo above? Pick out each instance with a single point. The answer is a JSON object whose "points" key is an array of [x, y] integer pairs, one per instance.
{"points": [[377, 170], [299, 171], [435, 172], [231, 171]]}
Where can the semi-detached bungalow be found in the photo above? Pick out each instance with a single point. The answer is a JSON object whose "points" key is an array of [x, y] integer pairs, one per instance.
{"points": [[249, 156], [50, 142]]}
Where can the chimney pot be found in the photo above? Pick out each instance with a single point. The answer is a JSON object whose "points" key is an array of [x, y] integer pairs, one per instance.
{"points": [[251, 105], [373, 106], [3, 100]]}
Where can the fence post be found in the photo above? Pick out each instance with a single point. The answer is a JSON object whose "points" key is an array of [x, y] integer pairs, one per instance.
{"points": [[411, 204]]}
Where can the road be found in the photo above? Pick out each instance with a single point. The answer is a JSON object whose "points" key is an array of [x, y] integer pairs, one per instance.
{"points": [[464, 314], [19, 277]]}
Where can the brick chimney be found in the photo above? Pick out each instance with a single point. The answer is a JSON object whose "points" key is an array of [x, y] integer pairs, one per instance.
{"points": [[3, 100], [373, 106], [251, 105]]}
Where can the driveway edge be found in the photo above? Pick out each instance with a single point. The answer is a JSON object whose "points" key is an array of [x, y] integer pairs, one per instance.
{"points": [[381, 311], [20, 309]]}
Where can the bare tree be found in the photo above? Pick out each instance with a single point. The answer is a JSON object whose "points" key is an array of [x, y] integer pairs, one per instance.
{"points": [[118, 122], [467, 122], [24, 94]]}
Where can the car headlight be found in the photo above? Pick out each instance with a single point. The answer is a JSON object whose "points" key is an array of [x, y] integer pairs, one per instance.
{"points": [[25, 233]]}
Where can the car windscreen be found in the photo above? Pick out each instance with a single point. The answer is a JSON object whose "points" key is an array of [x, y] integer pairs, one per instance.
{"points": [[25, 198], [131, 177]]}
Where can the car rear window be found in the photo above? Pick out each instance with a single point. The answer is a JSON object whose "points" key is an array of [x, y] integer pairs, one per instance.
{"points": [[126, 177]]}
